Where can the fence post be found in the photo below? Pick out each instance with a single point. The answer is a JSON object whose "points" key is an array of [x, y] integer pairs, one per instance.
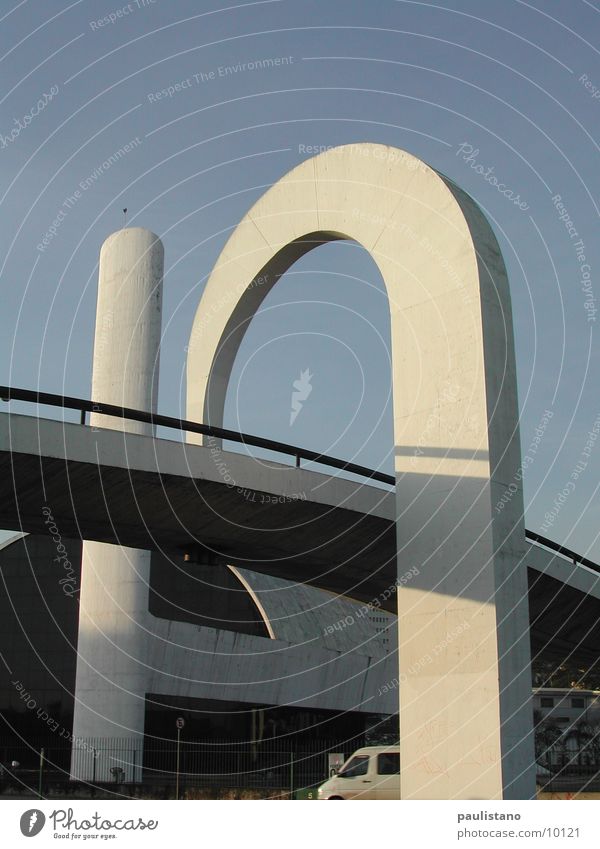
{"points": [[42, 751], [291, 775], [177, 769], [93, 766]]}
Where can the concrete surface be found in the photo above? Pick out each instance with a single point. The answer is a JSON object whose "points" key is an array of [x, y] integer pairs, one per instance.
{"points": [[113, 610], [463, 621]]}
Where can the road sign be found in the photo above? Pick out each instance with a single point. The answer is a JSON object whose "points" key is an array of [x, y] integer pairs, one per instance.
{"points": [[335, 761]]}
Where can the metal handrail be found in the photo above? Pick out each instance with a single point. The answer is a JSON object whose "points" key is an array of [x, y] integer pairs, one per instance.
{"points": [[8, 393], [577, 559]]}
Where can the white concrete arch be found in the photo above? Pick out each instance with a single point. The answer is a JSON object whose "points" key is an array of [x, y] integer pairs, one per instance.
{"points": [[463, 634]]}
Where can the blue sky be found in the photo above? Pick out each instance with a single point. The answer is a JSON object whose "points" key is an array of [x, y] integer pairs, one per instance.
{"points": [[516, 82]]}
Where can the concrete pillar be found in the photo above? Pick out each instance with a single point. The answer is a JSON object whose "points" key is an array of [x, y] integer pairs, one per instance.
{"points": [[113, 618]]}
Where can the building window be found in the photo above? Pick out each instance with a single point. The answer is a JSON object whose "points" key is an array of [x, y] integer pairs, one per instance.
{"points": [[546, 702], [577, 702]]}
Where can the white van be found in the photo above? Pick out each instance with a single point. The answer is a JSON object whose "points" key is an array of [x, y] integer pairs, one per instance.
{"points": [[370, 773]]}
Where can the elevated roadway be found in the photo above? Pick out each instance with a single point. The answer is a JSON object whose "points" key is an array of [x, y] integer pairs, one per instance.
{"points": [[293, 523]]}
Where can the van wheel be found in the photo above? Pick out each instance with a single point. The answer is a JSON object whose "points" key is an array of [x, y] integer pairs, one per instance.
{"points": [[336, 798]]}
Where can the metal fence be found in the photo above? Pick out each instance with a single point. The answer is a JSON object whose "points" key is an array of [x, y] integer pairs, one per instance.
{"points": [[572, 777], [278, 764], [575, 770], [269, 763]]}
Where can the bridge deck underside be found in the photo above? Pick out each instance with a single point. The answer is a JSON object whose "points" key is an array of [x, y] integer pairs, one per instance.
{"points": [[166, 496], [329, 547]]}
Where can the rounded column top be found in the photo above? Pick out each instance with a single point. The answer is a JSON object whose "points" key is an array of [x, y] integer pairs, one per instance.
{"points": [[138, 238]]}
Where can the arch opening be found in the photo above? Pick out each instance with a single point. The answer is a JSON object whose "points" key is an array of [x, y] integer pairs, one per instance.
{"points": [[313, 368]]}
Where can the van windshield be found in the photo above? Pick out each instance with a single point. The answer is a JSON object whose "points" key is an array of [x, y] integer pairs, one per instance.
{"points": [[359, 765]]}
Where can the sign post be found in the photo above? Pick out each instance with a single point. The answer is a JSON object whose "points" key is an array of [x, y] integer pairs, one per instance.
{"points": [[41, 773], [180, 722]]}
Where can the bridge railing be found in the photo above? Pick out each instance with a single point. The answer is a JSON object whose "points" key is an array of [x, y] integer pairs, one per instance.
{"points": [[9, 393], [576, 559]]}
